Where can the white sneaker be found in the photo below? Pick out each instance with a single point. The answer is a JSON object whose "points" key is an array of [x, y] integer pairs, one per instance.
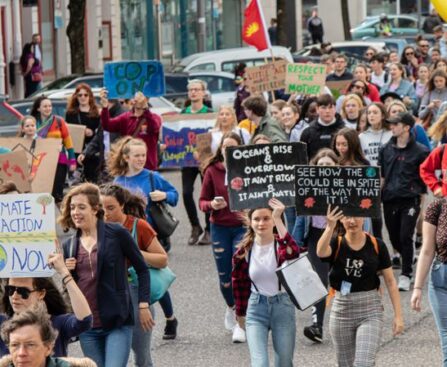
{"points": [[230, 319], [239, 334], [404, 283]]}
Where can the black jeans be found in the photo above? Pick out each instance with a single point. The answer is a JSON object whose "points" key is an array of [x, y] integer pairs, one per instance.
{"points": [[189, 175], [400, 220], [322, 270], [59, 182], [317, 38]]}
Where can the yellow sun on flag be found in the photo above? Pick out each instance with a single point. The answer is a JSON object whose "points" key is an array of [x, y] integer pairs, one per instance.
{"points": [[252, 29]]}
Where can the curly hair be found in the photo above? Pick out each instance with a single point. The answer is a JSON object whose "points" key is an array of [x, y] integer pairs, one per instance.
{"points": [[116, 164], [91, 191], [73, 103], [439, 129]]}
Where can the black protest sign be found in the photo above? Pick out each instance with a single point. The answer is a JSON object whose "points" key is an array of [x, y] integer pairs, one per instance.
{"points": [[355, 190], [257, 173]]}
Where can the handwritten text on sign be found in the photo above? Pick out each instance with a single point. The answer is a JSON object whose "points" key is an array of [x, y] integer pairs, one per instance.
{"points": [[123, 79], [305, 78], [27, 235], [257, 173], [355, 190], [266, 77]]}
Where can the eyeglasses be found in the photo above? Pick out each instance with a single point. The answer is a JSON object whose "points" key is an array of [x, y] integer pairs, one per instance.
{"points": [[82, 95], [21, 291]]}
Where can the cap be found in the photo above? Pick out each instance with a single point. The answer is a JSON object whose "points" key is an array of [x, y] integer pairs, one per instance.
{"points": [[392, 95], [403, 117]]}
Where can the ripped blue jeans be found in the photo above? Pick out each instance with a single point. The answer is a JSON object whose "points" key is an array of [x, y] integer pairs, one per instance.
{"points": [[224, 241]]}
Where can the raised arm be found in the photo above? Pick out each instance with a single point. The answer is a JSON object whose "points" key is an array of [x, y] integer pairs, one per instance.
{"points": [[323, 245]]}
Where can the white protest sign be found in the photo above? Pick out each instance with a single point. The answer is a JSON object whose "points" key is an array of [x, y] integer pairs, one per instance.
{"points": [[27, 235]]}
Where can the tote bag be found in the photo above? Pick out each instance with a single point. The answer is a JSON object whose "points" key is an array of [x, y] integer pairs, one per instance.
{"points": [[301, 282]]}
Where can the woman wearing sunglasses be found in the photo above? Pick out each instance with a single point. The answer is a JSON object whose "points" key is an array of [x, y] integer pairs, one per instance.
{"points": [[22, 294]]}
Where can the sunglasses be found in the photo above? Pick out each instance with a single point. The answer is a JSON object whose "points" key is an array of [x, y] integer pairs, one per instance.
{"points": [[82, 95], [21, 291]]}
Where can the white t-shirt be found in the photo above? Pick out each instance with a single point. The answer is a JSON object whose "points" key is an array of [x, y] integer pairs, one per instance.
{"points": [[262, 270], [371, 142], [216, 137]]}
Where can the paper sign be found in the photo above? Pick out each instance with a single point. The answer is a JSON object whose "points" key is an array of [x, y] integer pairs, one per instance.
{"points": [[355, 190], [257, 173], [77, 133], [203, 145], [124, 78], [338, 87], [14, 167], [180, 137], [305, 78], [42, 159], [267, 77], [27, 235]]}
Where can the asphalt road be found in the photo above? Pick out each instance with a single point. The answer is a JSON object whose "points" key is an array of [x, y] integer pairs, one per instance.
{"points": [[203, 341]]}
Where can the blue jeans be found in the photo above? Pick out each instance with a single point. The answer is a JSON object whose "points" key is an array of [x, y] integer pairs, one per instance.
{"points": [[277, 314], [141, 340], [224, 241], [437, 293], [108, 348]]}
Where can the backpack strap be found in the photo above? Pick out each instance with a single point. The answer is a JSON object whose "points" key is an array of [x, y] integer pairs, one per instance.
{"points": [[134, 232], [374, 242], [339, 239]]}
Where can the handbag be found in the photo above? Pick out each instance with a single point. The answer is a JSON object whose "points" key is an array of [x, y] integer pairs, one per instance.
{"points": [[161, 279], [36, 77], [164, 220], [301, 282]]}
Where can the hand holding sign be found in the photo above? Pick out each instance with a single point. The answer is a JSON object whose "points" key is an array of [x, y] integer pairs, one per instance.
{"points": [[56, 261], [103, 98]]}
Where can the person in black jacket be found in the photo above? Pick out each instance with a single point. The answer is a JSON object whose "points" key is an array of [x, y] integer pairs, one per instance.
{"points": [[98, 255], [402, 189], [321, 131], [315, 27]]}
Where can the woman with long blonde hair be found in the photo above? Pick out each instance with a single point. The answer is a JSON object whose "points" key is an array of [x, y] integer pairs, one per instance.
{"points": [[438, 131]]}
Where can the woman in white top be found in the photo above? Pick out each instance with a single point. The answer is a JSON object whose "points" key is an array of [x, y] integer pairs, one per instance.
{"points": [[226, 122]]}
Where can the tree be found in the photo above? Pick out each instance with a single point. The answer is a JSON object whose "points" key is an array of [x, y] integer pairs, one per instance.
{"points": [[44, 200], [75, 33], [346, 21]]}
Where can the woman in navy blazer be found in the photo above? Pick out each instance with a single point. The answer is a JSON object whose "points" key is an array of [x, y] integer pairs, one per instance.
{"points": [[98, 256]]}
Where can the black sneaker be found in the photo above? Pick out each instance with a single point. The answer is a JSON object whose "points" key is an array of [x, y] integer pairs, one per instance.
{"points": [[170, 329], [396, 262], [314, 333]]}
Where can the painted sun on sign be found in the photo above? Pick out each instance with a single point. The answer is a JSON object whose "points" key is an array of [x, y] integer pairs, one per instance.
{"points": [[252, 29]]}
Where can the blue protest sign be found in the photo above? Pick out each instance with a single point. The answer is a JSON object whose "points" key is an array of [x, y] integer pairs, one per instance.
{"points": [[124, 78], [179, 136]]}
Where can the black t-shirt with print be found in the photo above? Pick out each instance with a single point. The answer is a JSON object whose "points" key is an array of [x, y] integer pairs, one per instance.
{"points": [[357, 267]]}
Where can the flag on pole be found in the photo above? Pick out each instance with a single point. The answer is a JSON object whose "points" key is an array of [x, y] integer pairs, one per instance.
{"points": [[254, 30]]}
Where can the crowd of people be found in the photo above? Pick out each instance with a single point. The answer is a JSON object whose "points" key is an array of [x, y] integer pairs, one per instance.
{"points": [[392, 113]]}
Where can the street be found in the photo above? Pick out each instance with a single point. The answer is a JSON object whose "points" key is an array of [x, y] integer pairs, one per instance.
{"points": [[203, 341]]}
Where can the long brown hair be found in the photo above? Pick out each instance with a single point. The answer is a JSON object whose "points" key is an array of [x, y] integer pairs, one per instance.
{"points": [[218, 156], [132, 204], [73, 103], [116, 163], [355, 154]]}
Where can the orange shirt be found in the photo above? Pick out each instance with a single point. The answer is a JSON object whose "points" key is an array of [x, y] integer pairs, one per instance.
{"points": [[145, 233]]}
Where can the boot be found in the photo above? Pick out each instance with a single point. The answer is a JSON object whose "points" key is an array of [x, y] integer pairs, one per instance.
{"points": [[195, 234]]}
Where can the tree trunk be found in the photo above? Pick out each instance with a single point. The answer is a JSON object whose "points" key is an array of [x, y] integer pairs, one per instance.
{"points": [[346, 21], [75, 33], [282, 22]]}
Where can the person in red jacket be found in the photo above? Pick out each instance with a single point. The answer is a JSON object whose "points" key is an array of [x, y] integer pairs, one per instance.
{"points": [[139, 122], [226, 227], [361, 73], [436, 161]]}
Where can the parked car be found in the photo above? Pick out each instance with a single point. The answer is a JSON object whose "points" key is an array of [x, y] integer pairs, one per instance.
{"points": [[70, 81], [400, 25], [349, 48], [227, 59]]}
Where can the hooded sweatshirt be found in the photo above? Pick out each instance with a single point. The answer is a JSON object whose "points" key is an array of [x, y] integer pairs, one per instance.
{"points": [[371, 142]]}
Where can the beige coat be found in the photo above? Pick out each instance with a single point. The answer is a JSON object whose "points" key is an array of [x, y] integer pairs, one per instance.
{"points": [[74, 362]]}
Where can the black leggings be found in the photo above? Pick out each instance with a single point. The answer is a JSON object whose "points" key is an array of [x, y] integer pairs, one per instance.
{"points": [[59, 182], [322, 270]]}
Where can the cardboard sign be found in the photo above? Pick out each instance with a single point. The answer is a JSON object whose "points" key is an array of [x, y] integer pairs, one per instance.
{"points": [[257, 173], [14, 167], [338, 87], [267, 77], [180, 137], [355, 190], [42, 160], [203, 145], [77, 133], [124, 78], [305, 78], [27, 235]]}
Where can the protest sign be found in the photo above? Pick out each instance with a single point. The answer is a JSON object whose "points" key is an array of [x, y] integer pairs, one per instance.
{"points": [[267, 77], [305, 78], [338, 87], [27, 235], [42, 156], [77, 133], [257, 173], [203, 145], [14, 167], [355, 190], [124, 78], [179, 134]]}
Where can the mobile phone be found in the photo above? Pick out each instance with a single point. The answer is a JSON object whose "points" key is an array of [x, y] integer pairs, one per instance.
{"points": [[219, 198]]}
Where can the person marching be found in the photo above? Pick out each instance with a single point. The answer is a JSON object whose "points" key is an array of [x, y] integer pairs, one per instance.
{"points": [[356, 319], [260, 301]]}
